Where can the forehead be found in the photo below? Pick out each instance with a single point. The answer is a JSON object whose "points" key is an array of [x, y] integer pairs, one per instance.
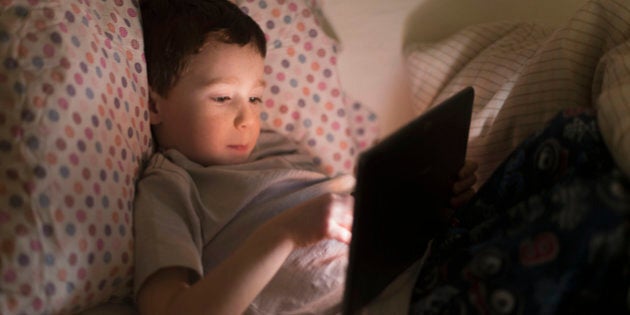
{"points": [[218, 62], [217, 54]]}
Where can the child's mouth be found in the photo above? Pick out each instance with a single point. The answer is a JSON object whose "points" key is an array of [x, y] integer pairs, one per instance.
{"points": [[239, 147]]}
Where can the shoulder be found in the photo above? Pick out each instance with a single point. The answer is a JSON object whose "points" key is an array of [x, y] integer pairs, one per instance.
{"points": [[162, 175], [168, 163]]}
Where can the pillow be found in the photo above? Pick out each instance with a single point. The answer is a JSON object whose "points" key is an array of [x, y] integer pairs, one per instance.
{"points": [[523, 74], [304, 98], [492, 58], [73, 131]]}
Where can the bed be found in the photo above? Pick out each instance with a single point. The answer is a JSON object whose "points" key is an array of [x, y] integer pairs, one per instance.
{"points": [[342, 74]]}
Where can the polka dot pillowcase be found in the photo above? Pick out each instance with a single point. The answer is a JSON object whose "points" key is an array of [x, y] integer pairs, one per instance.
{"points": [[304, 98], [73, 131]]}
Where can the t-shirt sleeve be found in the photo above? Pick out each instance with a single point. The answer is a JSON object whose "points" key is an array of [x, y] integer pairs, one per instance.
{"points": [[166, 225]]}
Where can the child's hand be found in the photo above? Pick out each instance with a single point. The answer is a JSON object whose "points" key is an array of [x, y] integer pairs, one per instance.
{"points": [[328, 216], [463, 187]]}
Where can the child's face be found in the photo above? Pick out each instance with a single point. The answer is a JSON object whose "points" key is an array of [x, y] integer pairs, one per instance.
{"points": [[212, 114]]}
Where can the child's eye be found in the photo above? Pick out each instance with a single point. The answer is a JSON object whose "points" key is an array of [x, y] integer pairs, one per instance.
{"points": [[255, 100], [221, 99]]}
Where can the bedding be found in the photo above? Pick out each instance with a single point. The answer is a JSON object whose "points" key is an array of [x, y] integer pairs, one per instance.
{"points": [[73, 132], [74, 128], [547, 234], [304, 98], [372, 35], [524, 73]]}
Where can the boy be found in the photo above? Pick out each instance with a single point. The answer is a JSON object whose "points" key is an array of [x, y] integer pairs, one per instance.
{"points": [[228, 218]]}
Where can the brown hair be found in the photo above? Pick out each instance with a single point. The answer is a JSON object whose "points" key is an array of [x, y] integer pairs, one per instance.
{"points": [[174, 30]]}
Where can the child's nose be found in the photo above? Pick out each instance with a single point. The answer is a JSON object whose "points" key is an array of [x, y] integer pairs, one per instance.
{"points": [[246, 115]]}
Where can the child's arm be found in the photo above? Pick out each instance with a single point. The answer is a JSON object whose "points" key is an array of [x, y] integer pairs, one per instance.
{"points": [[231, 286]]}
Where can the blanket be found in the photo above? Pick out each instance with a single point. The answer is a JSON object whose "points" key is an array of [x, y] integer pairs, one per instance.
{"points": [[524, 73], [548, 233]]}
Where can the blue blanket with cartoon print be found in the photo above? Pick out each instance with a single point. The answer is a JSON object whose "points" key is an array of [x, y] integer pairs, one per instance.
{"points": [[548, 233]]}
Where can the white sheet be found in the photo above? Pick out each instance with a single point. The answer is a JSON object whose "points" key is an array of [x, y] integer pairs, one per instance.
{"points": [[373, 33], [524, 75]]}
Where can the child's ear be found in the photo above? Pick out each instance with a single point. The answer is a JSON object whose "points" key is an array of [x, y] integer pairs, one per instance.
{"points": [[155, 102]]}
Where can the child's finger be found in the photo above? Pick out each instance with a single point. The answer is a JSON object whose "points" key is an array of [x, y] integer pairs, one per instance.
{"points": [[341, 233], [343, 212], [464, 184], [469, 168], [345, 220]]}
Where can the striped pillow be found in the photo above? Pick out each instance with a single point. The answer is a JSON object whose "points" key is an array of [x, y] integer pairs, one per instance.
{"points": [[524, 73]]}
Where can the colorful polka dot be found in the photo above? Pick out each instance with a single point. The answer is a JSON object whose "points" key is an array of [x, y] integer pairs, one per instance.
{"points": [[307, 68], [59, 182]]}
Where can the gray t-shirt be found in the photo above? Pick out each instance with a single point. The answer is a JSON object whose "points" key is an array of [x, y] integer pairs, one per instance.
{"points": [[192, 216]]}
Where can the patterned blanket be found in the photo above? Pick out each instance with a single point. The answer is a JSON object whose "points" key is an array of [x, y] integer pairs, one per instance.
{"points": [[548, 233]]}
